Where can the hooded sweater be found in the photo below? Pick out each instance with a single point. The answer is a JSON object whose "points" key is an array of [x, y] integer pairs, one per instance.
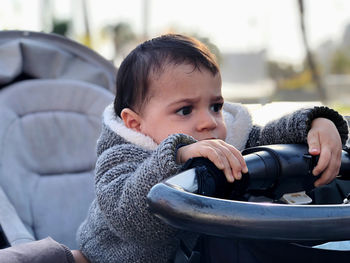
{"points": [[119, 227]]}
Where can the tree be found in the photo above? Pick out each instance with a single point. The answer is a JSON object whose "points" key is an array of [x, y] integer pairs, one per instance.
{"points": [[340, 63], [122, 34], [211, 46], [61, 27], [312, 65]]}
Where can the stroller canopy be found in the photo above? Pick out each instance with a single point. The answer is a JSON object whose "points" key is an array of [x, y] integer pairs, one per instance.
{"points": [[33, 55], [53, 93]]}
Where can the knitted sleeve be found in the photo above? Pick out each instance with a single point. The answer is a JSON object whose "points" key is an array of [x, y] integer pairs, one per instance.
{"points": [[124, 175], [43, 250], [294, 127]]}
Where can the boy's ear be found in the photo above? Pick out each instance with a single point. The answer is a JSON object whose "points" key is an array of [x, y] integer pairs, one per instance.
{"points": [[131, 119]]}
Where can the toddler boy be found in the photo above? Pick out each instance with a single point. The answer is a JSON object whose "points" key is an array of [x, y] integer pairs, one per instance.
{"points": [[168, 109]]}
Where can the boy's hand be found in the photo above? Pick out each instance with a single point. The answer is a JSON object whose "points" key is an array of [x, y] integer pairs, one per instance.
{"points": [[324, 140], [79, 257], [223, 155]]}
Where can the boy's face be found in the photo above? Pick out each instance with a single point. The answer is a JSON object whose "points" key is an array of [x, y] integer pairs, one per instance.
{"points": [[184, 100]]}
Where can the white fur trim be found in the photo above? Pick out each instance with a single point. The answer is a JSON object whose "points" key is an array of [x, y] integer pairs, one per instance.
{"points": [[238, 123], [117, 125]]}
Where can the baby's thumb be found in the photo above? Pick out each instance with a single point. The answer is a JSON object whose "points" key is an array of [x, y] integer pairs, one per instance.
{"points": [[314, 144]]}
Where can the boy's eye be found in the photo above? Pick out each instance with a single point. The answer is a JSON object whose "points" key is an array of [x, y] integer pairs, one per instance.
{"points": [[184, 110], [217, 107]]}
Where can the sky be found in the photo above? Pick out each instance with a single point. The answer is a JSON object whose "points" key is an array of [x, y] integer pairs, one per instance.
{"points": [[233, 25]]}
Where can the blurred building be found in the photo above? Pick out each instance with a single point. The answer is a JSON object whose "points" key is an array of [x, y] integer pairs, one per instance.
{"points": [[337, 84], [245, 77], [346, 37]]}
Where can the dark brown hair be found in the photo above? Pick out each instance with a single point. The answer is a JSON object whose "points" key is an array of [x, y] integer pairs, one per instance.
{"points": [[150, 57]]}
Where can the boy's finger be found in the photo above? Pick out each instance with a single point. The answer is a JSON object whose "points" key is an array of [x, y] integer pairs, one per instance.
{"points": [[227, 171], [213, 156], [220, 161], [314, 143], [332, 169], [323, 161], [329, 174], [321, 181], [239, 157], [235, 165]]}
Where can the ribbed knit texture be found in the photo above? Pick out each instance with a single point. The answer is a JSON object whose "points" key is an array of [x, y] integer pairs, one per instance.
{"points": [[294, 127], [44, 250], [332, 115], [69, 255], [119, 227]]}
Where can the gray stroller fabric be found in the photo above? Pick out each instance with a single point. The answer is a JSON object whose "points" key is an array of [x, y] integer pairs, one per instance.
{"points": [[53, 93], [48, 138], [45, 56]]}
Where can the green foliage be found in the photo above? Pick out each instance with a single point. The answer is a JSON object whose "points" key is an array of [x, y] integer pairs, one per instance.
{"points": [[277, 70], [343, 109], [212, 47], [61, 27], [340, 63], [123, 34]]}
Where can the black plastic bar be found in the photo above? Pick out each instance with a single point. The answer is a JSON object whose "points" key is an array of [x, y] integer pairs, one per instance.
{"points": [[235, 219]]}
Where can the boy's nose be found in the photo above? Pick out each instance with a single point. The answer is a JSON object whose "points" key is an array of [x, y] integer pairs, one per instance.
{"points": [[206, 121]]}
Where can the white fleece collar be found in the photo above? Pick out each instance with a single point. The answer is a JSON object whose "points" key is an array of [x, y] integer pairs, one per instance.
{"points": [[237, 117], [238, 124], [117, 125]]}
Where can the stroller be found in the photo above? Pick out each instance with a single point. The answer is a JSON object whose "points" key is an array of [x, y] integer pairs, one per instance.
{"points": [[53, 92], [274, 214]]}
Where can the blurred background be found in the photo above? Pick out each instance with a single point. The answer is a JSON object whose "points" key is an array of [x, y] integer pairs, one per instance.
{"points": [[270, 51]]}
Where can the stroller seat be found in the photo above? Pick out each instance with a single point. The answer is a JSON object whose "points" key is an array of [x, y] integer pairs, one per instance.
{"points": [[51, 104]]}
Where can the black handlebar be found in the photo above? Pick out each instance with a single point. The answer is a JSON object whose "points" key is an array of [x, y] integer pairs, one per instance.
{"points": [[277, 167], [286, 167]]}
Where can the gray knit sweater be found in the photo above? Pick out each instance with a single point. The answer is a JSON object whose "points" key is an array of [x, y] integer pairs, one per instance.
{"points": [[119, 228]]}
